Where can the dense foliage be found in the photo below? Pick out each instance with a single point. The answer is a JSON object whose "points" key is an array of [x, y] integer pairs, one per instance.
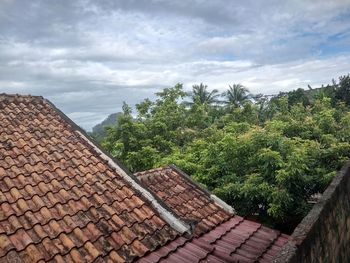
{"points": [[265, 155]]}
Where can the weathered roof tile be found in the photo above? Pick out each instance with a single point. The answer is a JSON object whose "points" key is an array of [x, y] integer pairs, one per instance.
{"points": [[59, 199], [184, 198], [220, 236]]}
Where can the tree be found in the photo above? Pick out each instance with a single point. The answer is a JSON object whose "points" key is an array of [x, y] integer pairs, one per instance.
{"points": [[201, 95], [262, 102], [266, 158], [343, 89], [237, 95], [298, 96]]}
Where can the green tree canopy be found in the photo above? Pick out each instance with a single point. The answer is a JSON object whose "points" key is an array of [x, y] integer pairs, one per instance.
{"points": [[266, 157], [201, 95], [237, 95]]}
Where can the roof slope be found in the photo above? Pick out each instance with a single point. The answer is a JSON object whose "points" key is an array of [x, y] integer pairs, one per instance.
{"points": [[185, 198], [236, 240], [60, 200], [229, 238]]}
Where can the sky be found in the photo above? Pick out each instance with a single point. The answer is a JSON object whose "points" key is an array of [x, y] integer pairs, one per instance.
{"points": [[87, 57]]}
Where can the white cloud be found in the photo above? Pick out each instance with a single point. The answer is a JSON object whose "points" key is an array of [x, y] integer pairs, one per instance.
{"points": [[270, 79]]}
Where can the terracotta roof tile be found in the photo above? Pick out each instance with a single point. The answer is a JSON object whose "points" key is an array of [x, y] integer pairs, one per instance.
{"points": [[220, 236], [184, 197], [236, 240], [60, 200]]}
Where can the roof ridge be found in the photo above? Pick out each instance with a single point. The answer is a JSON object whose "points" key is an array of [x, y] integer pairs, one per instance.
{"points": [[147, 173], [160, 207], [4, 96]]}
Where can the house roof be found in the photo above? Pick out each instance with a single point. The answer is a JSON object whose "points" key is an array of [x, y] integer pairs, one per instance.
{"points": [[236, 240], [220, 236], [64, 199], [186, 198]]}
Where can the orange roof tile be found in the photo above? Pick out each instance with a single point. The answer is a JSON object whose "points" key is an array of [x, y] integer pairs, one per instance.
{"points": [[62, 199]]}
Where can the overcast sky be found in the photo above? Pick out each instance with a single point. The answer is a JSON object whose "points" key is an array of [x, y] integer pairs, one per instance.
{"points": [[88, 57]]}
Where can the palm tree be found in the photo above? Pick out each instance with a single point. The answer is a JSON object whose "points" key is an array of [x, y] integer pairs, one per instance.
{"points": [[236, 95], [200, 95]]}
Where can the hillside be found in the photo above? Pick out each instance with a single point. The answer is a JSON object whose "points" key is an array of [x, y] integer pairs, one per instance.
{"points": [[99, 130]]}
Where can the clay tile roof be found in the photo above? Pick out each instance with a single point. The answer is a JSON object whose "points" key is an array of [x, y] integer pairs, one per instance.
{"points": [[63, 199], [187, 199], [236, 240], [227, 238]]}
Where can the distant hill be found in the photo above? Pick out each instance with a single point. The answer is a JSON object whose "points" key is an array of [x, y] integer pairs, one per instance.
{"points": [[99, 130]]}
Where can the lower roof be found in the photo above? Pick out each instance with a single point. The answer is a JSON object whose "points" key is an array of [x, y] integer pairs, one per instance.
{"points": [[219, 235], [236, 240], [185, 198]]}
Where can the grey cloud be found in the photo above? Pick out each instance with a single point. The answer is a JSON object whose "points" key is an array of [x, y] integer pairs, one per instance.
{"points": [[211, 11], [89, 56], [245, 15], [40, 20]]}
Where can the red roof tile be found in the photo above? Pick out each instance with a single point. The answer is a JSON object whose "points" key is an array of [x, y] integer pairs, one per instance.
{"points": [[61, 200], [236, 240], [229, 238]]}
